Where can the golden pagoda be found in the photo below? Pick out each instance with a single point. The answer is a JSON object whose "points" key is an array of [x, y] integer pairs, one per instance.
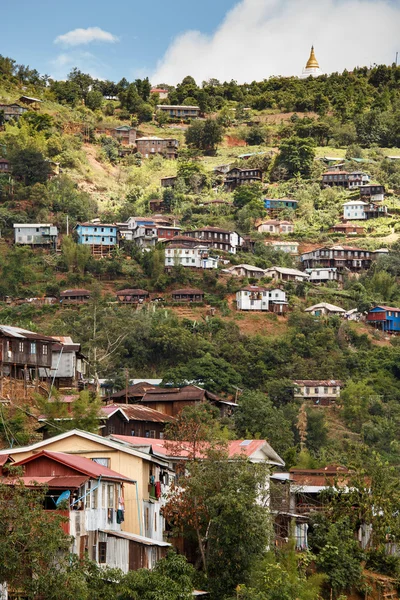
{"points": [[312, 66], [312, 62]]}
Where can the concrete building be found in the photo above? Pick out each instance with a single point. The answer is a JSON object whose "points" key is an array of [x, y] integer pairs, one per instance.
{"points": [[197, 257]]}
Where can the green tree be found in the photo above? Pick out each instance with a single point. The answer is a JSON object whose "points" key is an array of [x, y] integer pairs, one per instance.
{"points": [[297, 155], [204, 135], [249, 192], [94, 100], [30, 166]]}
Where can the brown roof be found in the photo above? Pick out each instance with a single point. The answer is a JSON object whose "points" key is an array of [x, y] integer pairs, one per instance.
{"points": [[137, 390], [184, 238], [132, 292], [319, 382], [319, 477], [188, 291], [136, 412], [77, 292], [216, 229], [254, 288], [336, 173], [188, 392]]}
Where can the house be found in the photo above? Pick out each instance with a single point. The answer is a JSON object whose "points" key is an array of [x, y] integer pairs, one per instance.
{"points": [[215, 237], [244, 270], [341, 257], [322, 392], [75, 296], [188, 295], [285, 274], [179, 112], [132, 296], [372, 193], [125, 134], [149, 146], [348, 229], [275, 227], [354, 210], [142, 231], [133, 420], [256, 451], [36, 234], [102, 238], [133, 393], [171, 401], [12, 111], [385, 318], [156, 205], [357, 179], [33, 103], [162, 93], [275, 206], [167, 232], [68, 364], [185, 240], [254, 297], [235, 177], [297, 494], [325, 309], [288, 247], [23, 353], [88, 493], [374, 211], [335, 178], [197, 257], [151, 477], [322, 275], [4, 165], [170, 181]]}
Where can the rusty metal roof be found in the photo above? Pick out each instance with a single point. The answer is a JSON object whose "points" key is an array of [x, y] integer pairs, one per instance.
{"points": [[136, 412]]}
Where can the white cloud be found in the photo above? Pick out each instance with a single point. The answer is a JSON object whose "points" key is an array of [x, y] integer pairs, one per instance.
{"points": [[260, 38], [78, 37]]}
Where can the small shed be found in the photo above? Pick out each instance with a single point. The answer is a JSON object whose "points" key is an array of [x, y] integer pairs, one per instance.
{"points": [[188, 295], [76, 296], [132, 296], [325, 309]]}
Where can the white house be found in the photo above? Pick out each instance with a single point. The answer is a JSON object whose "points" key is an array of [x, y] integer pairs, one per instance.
{"points": [[354, 210], [358, 178], [325, 309], [275, 227], [197, 257], [35, 234], [285, 274], [324, 274], [254, 297], [288, 246], [320, 391]]}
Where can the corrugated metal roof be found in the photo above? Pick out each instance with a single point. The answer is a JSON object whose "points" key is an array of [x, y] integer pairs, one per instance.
{"points": [[77, 292], [17, 332], [132, 292], [80, 463], [188, 291], [140, 539], [319, 382], [135, 412]]}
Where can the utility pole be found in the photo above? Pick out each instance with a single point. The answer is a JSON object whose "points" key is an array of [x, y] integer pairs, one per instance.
{"points": [[67, 225], [126, 385]]}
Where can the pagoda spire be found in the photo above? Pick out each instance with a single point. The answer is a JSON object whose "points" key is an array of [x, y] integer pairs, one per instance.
{"points": [[312, 62]]}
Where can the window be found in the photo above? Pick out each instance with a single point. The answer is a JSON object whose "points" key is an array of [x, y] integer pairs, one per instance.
{"points": [[20, 346], [93, 500], [88, 492], [325, 390], [104, 462], [316, 390], [111, 429], [152, 433], [132, 432], [102, 552], [33, 347], [333, 390], [307, 391], [110, 496], [44, 350]]}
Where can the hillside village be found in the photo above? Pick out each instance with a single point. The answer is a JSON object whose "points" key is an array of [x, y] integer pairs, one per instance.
{"points": [[199, 318]]}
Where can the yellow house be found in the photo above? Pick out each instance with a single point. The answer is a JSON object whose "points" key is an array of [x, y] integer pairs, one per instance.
{"points": [[151, 474]]}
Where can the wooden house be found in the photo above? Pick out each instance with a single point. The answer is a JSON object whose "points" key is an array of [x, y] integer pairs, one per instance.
{"points": [[68, 365], [188, 295], [150, 146], [12, 111], [236, 177], [133, 420], [125, 134], [4, 166], [170, 181], [75, 296], [23, 353], [132, 296], [348, 229], [179, 112], [171, 401], [340, 257], [385, 318]]}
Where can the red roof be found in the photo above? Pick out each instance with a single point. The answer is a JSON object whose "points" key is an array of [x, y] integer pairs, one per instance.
{"points": [[166, 447], [386, 307], [63, 481], [190, 291], [79, 463], [132, 292]]}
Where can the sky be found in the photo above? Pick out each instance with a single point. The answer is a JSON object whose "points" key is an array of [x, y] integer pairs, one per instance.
{"points": [[244, 40]]}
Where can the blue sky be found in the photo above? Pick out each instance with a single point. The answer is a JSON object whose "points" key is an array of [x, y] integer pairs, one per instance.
{"points": [[244, 40], [144, 29]]}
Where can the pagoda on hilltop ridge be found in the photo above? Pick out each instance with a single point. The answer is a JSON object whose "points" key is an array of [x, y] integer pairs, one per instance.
{"points": [[312, 66]]}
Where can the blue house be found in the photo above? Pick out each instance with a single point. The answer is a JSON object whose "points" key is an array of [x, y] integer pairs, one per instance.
{"points": [[101, 237], [385, 318], [280, 203]]}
